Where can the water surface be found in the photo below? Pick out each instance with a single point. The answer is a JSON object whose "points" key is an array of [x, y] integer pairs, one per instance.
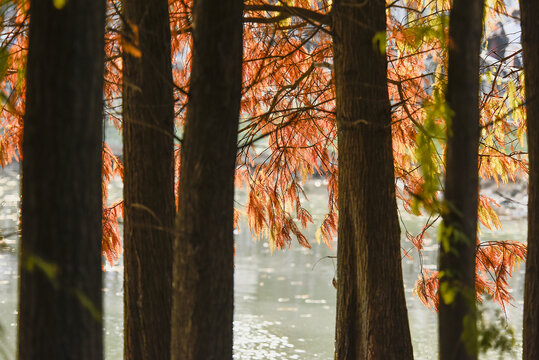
{"points": [[284, 302]]}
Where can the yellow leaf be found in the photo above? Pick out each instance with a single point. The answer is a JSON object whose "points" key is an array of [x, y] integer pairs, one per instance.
{"points": [[59, 4], [379, 41], [318, 235]]}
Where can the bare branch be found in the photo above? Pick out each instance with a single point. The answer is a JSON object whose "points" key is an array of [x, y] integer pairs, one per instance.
{"points": [[287, 12]]}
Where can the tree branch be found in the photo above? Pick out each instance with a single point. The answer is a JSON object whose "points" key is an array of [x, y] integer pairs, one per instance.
{"points": [[286, 12]]}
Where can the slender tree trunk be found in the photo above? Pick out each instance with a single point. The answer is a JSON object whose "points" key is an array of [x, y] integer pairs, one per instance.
{"points": [[458, 241], [60, 285], [204, 247], [529, 10], [372, 320], [148, 128]]}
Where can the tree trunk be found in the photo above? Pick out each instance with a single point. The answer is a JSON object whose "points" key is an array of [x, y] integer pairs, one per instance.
{"points": [[148, 128], [372, 320], [458, 241], [529, 10], [204, 246], [60, 286]]}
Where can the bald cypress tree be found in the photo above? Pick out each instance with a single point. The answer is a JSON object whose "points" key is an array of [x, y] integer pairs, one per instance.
{"points": [[148, 128], [204, 246], [530, 46], [457, 314], [60, 285], [372, 320]]}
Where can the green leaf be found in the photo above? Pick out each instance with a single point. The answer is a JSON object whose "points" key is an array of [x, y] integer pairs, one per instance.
{"points": [[50, 270], [448, 293], [470, 333], [88, 304], [4, 56], [445, 234]]}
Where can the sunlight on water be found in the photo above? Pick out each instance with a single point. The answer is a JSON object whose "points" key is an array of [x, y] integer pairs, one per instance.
{"points": [[253, 340]]}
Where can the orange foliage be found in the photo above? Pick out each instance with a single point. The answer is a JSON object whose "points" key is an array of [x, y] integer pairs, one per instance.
{"points": [[13, 64], [426, 289], [287, 127], [495, 263], [111, 245]]}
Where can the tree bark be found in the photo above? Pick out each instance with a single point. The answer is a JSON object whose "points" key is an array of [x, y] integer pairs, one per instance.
{"points": [[372, 320], [61, 277], [457, 256], [529, 10], [148, 128], [204, 249]]}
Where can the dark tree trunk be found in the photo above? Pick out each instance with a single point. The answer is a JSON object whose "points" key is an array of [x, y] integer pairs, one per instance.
{"points": [[204, 247], [529, 10], [457, 256], [148, 128], [372, 320], [60, 286]]}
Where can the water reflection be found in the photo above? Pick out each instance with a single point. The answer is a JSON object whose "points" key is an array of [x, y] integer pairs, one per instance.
{"points": [[285, 291], [284, 302]]}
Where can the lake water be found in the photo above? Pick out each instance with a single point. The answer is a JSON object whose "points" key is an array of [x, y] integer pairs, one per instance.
{"points": [[284, 302]]}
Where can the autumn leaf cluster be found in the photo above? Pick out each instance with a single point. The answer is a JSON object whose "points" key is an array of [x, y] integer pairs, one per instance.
{"points": [[288, 130]]}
